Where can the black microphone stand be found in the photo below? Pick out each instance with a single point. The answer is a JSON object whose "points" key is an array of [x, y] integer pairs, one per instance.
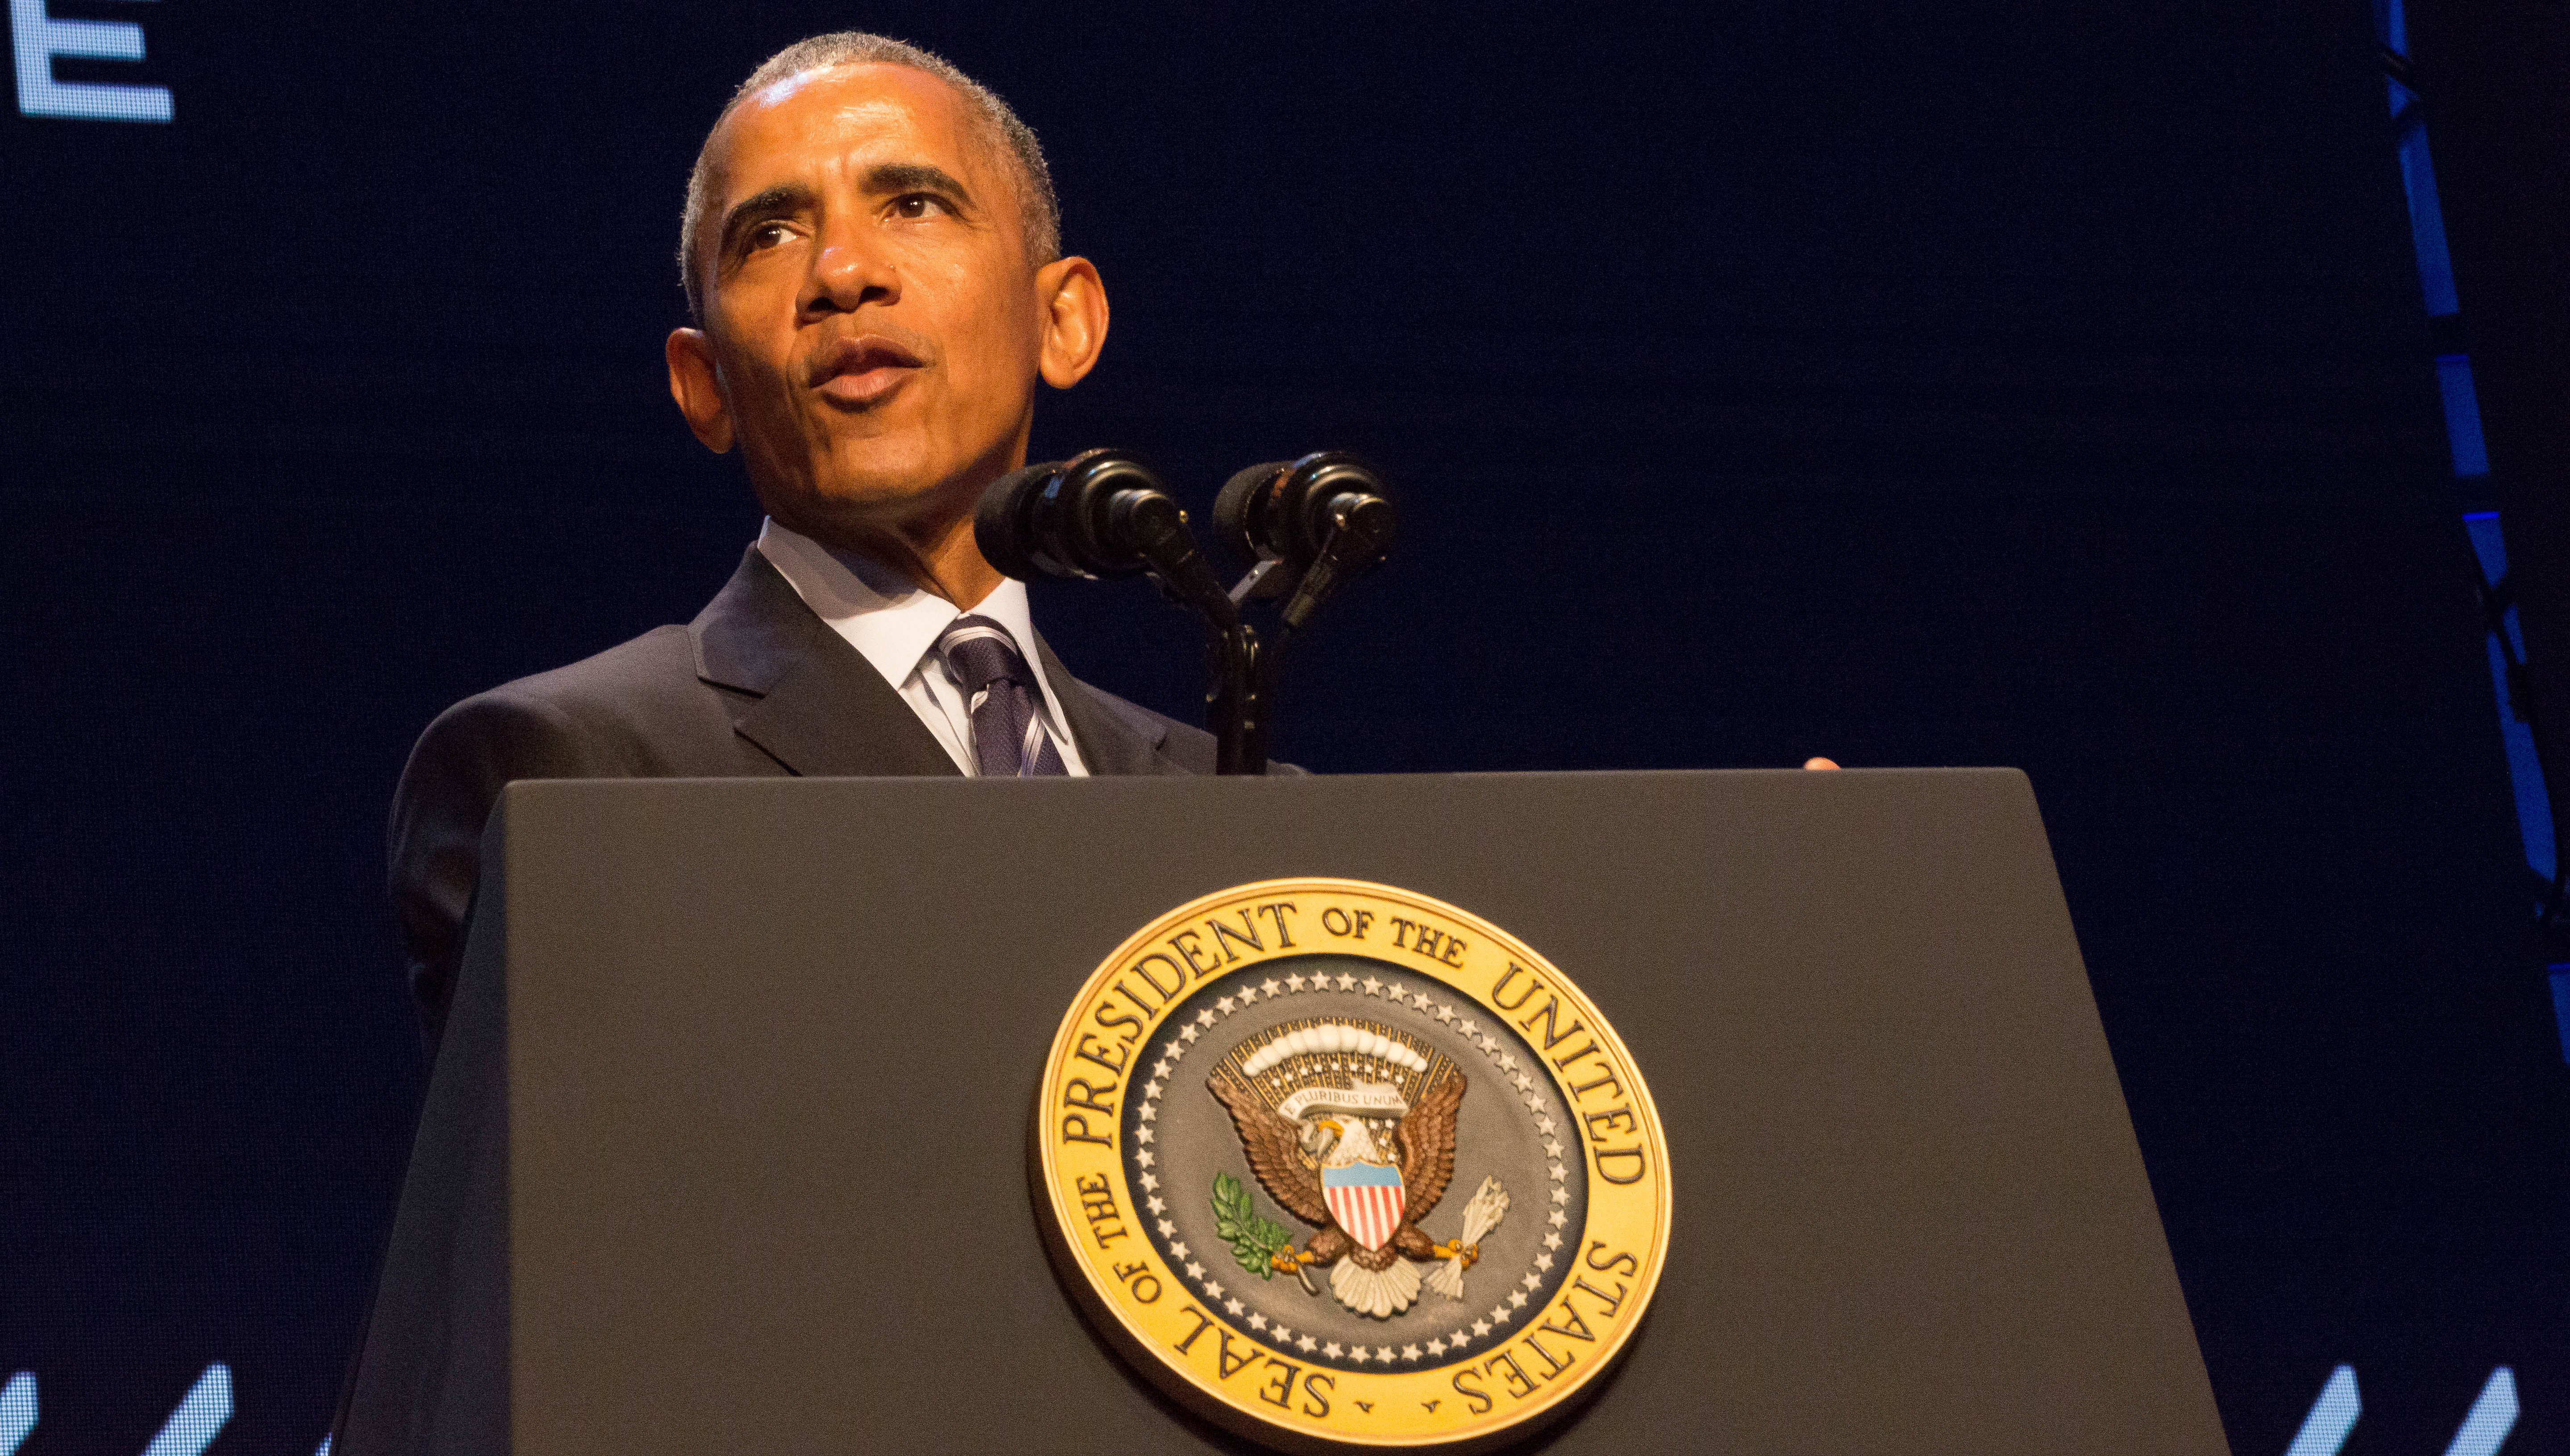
{"points": [[1156, 528], [1308, 526], [1361, 530]]}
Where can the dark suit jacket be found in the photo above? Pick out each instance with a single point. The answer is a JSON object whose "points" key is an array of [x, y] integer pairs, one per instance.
{"points": [[756, 685]]}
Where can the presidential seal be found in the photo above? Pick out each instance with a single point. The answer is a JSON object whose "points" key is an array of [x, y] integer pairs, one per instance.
{"points": [[1339, 1165]]}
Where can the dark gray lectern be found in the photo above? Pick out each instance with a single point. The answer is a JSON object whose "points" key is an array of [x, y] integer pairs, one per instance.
{"points": [[726, 1147]]}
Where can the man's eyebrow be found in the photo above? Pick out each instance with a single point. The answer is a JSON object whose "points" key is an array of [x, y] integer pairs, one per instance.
{"points": [[915, 177], [782, 201]]}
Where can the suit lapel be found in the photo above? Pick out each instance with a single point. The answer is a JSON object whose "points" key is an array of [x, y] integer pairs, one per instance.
{"points": [[1110, 742], [833, 715], [817, 706]]}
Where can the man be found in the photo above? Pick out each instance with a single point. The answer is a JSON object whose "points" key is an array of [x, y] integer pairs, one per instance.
{"points": [[872, 261]]}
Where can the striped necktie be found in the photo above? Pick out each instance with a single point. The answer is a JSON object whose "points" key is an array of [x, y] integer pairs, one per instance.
{"points": [[1009, 738]]}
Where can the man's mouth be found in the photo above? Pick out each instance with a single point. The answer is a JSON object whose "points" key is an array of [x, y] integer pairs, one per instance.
{"points": [[861, 369]]}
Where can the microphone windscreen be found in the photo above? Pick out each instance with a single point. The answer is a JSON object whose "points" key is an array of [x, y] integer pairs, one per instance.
{"points": [[1241, 512], [1000, 523]]}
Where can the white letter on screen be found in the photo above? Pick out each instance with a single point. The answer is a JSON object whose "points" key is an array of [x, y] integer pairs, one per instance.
{"points": [[40, 38]]}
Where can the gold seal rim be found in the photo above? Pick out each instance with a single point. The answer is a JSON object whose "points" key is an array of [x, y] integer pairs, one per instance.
{"points": [[1090, 1285]]}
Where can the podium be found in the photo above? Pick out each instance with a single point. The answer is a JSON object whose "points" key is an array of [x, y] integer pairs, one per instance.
{"points": [[725, 1148]]}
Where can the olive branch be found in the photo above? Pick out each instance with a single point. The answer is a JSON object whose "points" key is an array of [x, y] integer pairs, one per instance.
{"points": [[1254, 1240]]}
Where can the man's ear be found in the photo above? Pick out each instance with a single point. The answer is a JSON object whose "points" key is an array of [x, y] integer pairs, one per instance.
{"points": [[1073, 302], [697, 388]]}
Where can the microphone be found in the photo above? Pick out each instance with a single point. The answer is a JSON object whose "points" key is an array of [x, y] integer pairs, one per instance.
{"points": [[1101, 515], [1084, 519], [1309, 525], [1287, 510]]}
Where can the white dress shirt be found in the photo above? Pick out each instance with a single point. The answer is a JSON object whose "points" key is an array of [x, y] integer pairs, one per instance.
{"points": [[895, 625]]}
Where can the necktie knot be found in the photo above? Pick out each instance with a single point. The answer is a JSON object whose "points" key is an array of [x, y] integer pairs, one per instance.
{"points": [[979, 652]]}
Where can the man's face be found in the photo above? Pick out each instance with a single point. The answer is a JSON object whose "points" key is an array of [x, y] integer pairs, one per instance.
{"points": [[874, 326]]}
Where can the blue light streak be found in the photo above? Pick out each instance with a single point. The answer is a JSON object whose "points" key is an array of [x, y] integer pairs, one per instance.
{"points": [[2492, 1417], [17, 1410], [192, 1427], [2332, 1416]]}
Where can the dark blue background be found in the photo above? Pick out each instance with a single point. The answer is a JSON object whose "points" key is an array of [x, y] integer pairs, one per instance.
{"points": [[1963, 384]]}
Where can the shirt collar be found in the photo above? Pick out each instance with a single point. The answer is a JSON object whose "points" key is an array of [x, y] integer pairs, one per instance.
{"points": [[888, 618]]}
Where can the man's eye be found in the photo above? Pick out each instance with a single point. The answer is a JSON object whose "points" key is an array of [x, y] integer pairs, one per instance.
{"points": [[765, 236], [917, 206]]}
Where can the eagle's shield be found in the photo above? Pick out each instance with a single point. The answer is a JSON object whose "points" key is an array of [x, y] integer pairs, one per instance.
{"points": [[1366, 1198]]}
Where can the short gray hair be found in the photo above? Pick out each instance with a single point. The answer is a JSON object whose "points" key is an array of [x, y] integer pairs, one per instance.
{"points": [[1036, 203]]}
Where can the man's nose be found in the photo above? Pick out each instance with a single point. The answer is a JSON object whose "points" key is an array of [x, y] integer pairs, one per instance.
{"points": [[847, 274]]}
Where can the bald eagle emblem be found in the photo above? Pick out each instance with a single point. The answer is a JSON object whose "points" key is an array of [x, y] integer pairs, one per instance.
{"points": [[1351, 1129]]}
